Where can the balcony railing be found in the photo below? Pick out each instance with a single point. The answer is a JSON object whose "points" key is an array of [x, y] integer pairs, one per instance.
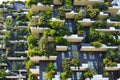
{"points": [[86, 22], [36, 59], [16, 58], [114, 68], [92, 48], [111, 29], [70, 15]]}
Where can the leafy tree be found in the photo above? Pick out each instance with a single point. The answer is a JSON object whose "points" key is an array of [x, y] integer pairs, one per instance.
{"points": [[76, 62], [32, 40], [61, 41], [66, 67], [32, 77], [50, 71]]}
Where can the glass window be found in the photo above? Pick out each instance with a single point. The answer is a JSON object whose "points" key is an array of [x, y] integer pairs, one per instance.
{"points": [[78, 75], [84, 55], [63, 55], [55, 64], [70, 55], [43, 76], [95, 62], [91, 56], [75, 51], [90, 63]]}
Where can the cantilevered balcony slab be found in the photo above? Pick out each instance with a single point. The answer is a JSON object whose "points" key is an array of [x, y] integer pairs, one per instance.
{"points": [[111, 29], [112, 23], [17, 41], [4, 31], [70, 15], [114, 68], [35, 70], [20, 52], [61, 48], [57, 2], [92, 48], [19, 27], [86, 22], [36, 30], [74, 38], [2, 46], [1, 36], [41, 7], [16, 13], [81, 68], [55, 19], [87, 2], [99, 77], [35, 18], [36, 59], [103, 15], [3, 64], [16, 58], [9, 18], [113, 10], [14, 77]]}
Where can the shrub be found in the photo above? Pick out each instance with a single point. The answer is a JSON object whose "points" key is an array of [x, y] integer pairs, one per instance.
{"points": [[101, 6], [97, 44], [75, 62], [31, 40], [106, 74], [61, 41]]}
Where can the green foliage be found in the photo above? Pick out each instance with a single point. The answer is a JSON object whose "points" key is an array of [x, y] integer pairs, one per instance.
{"points": [[32, 77], [66, 67], [115, 17], [82, 13], [29, 3], [63, 76], [89, 73], [68, 4], [109, 63], [31, 40], [79, 28], [21, 23], [101, 6], [75, 62], [97, 44], [61, 41], [7, 24], [100, 24], [56, 24], [22, 17], [28, 64], [50, 71], [92, 13], [2, 73], [106, 74]]}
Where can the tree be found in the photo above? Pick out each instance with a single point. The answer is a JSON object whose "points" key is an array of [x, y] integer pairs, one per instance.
{"points": [[50, 71], [76, 62], [32, 77], [89, 73], [66, 67], [28, 64], [31, 40]]}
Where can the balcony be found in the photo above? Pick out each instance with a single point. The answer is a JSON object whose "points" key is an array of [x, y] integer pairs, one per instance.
{"points": [[3, 64], [61, 21], [16, 58], [17, 41], [35, 70], [14, 77], [111, 23], [103, 15], [70, 15], [99, 77], [61, 48], [17, 13], [115, 68], [113, 10], [111, 29], [41, 7], [87, 2], [36, 30], [50, 39], [1, 19], [81, 68], [86, 22], [19, 27], [20, 52], [1, 36], [74, 38], [4, 31], [57, 2], [2, 46], [35, 18], [36, 59], [92, 48], [9, 18]]}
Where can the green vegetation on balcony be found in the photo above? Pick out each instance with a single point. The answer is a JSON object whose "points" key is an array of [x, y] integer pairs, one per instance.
{"points": [[22, 17], [101, 6], [76, 62], [32, 76], [2, 73], [50, 71], [21, 23], [115, 17], [97, 44], [28, 64]]}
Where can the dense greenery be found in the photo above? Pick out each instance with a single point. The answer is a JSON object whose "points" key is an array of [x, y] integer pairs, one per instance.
{"points": [[50, 71], [76, 62], [2, 73], [32, 77], [101, 6], [28, 64], [97, 44], [61, 41], [115, 17]]}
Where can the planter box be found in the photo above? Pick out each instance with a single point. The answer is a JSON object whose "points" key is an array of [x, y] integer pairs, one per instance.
{"points": [[61, 21], [92, 48], [16, 58], [111, 29], [70, 15], [113, 10], [35, 70], [86, 22], [81, 68], [74, 38], [103, 15], [19, 27], [41, 7], [3, 64], [87, 2], [115, 68], [13, 77], [111, 23], [36, 30], [17, 41], [20, 52], [61, 48], [57, 2], [36, 59]]}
